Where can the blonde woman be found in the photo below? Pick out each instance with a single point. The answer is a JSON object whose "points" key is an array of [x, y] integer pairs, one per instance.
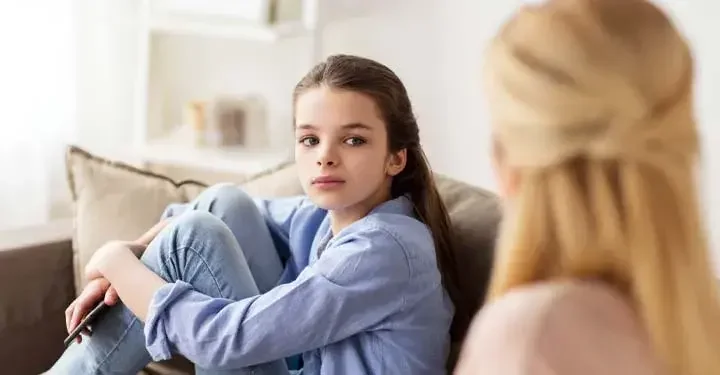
{"points": [[603, 266]]}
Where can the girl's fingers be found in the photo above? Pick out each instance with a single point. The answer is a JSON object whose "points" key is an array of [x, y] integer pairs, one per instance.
{"points": [[111, 296], [68, 315]]}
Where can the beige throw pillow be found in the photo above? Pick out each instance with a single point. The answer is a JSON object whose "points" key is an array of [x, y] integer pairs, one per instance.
{"points": [[113, 200]]}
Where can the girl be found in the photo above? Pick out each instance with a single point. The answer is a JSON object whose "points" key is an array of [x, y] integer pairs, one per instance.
{"points": [[602, 262], [347, 275]]}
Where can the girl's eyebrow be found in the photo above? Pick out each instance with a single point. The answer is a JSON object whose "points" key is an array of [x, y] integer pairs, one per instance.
{"points": [[353, 125], [356, 126]]}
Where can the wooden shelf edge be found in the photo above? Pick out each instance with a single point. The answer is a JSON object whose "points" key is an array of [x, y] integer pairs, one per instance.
{"points": [[225, 27], [220, 159]]}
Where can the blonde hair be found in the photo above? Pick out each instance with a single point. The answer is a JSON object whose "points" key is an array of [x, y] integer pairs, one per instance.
{"points": [[592, 104]]}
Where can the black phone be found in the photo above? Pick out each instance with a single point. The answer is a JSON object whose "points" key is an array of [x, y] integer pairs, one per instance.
{"points": [[89, 318]]}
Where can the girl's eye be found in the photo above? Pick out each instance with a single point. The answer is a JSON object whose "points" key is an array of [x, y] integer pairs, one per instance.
{"points": [[309, 141], [355, 141]]}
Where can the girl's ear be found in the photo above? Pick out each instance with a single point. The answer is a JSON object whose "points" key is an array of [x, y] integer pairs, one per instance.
{"points": [[396, 162]]}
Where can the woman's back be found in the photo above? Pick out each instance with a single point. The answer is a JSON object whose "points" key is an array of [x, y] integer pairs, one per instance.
{"points": [[595, 144], [559, 328]]}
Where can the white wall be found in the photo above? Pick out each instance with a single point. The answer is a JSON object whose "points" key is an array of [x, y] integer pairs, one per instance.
{"points": [[37, 83], [106, 39], [435, 46], [697, 21]]}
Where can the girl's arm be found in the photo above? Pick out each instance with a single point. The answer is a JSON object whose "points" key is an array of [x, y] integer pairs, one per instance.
{"points": [[134, 283], [353, 288], [129, 272]]}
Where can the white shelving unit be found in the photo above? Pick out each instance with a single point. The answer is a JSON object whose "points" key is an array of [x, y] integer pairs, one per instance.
{"points": [[237, 19], [224, 27]]}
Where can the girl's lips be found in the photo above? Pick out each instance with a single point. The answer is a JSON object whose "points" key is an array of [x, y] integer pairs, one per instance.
{"points": [[327, 180]]}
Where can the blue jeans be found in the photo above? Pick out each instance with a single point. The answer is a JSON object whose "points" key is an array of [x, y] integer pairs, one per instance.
{"points": [[221, 245]]}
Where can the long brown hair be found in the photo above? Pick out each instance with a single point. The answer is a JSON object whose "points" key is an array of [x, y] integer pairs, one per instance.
{"points": [[377, 81], [592, 105]]}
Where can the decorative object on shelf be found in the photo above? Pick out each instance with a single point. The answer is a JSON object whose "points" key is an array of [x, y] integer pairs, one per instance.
{"points": [[226, 121], [241, 121], [229, 122], [195, 117]]}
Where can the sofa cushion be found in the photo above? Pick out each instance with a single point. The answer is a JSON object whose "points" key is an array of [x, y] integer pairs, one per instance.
{"points": [[113, 200], [474, 214], [36, 280], [281, 181]]}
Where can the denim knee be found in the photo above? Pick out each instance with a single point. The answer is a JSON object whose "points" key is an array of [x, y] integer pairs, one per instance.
{"points": [[196, 230], [221, 199], [198, 225]]}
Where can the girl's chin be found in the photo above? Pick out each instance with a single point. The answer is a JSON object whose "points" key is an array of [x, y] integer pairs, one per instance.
{"points": [[329, 200]]}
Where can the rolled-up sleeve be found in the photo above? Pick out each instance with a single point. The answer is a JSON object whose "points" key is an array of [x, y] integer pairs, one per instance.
{"points": [[352, 288], [157, 346]]}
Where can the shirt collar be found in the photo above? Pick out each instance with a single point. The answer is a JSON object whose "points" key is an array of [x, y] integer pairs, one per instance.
{"points": [[400, 205]]}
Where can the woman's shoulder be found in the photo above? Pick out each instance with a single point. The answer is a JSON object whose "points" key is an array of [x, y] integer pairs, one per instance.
{"points": [[559, 325]]}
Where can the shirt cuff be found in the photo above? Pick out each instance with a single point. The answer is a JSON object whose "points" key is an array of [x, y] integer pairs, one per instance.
{"points": [[156, 335]]}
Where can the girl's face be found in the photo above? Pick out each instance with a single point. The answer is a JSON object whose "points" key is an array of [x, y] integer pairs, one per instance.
{"points": [[341, 150]]}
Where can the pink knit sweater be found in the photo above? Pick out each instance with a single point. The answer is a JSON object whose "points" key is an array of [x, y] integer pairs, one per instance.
{"points": [[561, 328]]}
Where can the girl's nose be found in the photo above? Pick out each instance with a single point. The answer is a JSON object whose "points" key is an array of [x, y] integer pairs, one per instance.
{"points": [[326, 157]]}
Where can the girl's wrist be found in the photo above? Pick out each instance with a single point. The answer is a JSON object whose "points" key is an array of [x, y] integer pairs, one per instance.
{"points": [[137, 248], [118, 262]]}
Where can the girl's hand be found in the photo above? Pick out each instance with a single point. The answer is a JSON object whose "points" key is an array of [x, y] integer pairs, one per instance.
{"points": [[95, 291], [106, 255]]}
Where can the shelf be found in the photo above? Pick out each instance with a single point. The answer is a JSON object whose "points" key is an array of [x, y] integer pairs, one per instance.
{"points": [[218, 26], [226, 159], [231, 19]]}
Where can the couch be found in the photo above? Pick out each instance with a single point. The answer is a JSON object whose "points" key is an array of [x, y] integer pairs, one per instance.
{"points": [[40, 267]]}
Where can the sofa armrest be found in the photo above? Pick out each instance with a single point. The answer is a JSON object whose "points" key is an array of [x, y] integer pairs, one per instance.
{"points": [[36, 285]]}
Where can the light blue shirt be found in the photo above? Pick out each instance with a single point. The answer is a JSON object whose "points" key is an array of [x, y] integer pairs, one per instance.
{"points": [[371, 302]]}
